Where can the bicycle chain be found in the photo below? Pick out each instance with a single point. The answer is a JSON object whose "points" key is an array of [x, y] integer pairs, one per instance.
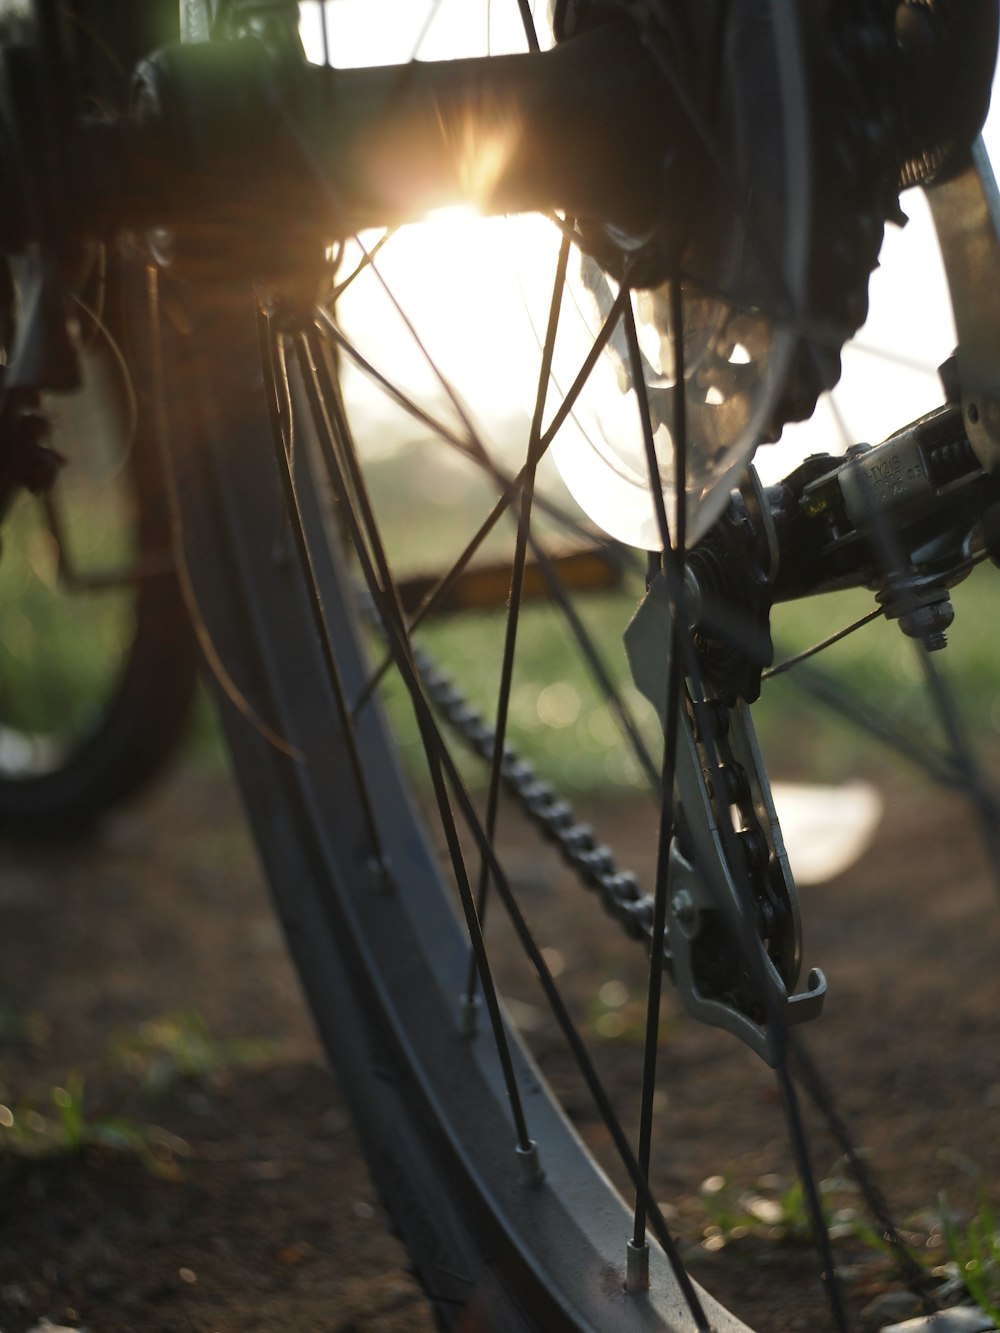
{"points": [[769, 898], [594, 863], [620, 892]]}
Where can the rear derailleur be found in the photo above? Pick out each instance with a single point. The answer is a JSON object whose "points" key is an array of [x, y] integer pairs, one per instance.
{"points": [[907, 518]]}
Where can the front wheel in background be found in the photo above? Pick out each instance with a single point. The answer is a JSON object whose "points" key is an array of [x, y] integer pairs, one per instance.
{"points": [[97, 661]]}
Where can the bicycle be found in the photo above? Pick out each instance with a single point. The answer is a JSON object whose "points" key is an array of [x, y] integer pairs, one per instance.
{"points": [[81, 732], [236, 174]]}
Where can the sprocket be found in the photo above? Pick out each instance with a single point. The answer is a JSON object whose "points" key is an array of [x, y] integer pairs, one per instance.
{"points": [[851, 65], [947, 53], [884, 110]]}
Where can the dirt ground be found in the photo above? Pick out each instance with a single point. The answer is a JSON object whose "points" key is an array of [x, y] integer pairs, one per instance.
{"points": [[203, 1173]]}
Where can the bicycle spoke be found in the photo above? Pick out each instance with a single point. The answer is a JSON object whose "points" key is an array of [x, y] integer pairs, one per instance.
{"points": [[571, 397], [872, 721], [528, 22], [436, 426], [470, 446], [349, 485], [965, 761], [286, 470], [511, 488], [783, 303], [667, 829], [746, 940], [598, 670], [368, 254], [820, 1094], [324, 28], [517, 584], [434, 7]]}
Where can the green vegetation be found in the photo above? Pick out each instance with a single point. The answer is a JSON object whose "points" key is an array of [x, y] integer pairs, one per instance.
{"points": [[70, 1119], [557, 716], [559, 719], [66, 1124], [61, 648], [179, 1046], [776, 1209], [975, 1253]]}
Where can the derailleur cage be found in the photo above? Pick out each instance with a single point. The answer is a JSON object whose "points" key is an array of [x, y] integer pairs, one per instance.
{"points": [[733, 917]]}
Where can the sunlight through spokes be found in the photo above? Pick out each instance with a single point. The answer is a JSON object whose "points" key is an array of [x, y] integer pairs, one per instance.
{"points": [[477, 292]]}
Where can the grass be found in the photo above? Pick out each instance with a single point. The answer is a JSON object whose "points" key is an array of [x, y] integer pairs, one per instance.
{"points": [[775, 1209], [71, 1117], [975, 1252], [66, 1123], [179, 1046], [557, 716], [60, 653]]}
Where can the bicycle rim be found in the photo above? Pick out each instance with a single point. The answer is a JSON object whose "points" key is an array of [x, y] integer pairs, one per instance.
{"points": [[355, 878]]}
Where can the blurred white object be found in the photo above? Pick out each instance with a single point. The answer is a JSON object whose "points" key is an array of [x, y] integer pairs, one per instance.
{"points": [[826, 829]]}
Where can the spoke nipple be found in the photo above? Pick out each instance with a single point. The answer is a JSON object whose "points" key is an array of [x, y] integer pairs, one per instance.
{"points": [[530, 1164], [382, 874], [637, 1267], [468, 1015]]}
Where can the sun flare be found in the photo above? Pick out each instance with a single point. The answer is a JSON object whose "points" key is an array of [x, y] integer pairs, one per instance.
{"points": [[454, 308]]}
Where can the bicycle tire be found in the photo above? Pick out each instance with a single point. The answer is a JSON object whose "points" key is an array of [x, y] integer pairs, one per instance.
{"points": [[59, 774], [429, 1101], [462, 1208], [495, 1245]]}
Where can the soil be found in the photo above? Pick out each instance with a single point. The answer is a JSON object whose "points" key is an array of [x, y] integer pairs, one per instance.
{"points": [[200, 1172]]}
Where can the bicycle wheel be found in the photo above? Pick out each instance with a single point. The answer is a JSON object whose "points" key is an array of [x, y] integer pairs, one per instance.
{"points": [[99, 669], [510, 1222]]}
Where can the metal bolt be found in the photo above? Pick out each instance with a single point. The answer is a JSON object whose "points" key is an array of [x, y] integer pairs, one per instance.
{"points": [[682, 906], [928, 623]]}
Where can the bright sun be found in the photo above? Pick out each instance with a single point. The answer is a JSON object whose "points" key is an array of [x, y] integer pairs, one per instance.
{"points": [[475, 290]]}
